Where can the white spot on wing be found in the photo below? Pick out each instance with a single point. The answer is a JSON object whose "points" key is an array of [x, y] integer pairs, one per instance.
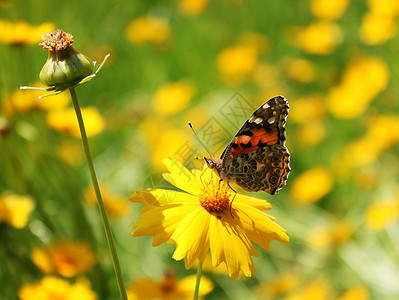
{"points": [[271, 120], [265, 106], [258, 120]]}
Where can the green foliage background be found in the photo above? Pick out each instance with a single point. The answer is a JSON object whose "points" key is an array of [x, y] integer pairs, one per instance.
{"points": [[123, 91]]}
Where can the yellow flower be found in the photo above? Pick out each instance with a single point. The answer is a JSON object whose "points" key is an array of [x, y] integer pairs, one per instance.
{"points": [[299, 69], [192, 7], [355, 293], [281, 284], [201, 220], [172, 98], [328, 10], [362, 81], [65, 121], [312, 185], [20, 33], [377, 29], [148, 29], [23, 101], [382, 214], [237, 63], [68, 259], [15, 209], [168, 289], [318, 38], [115, 205], [51, 288], [316, 290]]}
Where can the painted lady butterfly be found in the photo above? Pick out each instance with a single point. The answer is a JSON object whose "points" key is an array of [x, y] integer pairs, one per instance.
{"points": [[257, 158]]}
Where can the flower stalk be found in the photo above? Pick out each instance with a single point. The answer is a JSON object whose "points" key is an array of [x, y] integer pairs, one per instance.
{"points": [[104, 217], [197, 284]]}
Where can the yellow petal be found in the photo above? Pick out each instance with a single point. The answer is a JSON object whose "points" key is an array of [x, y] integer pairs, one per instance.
{"points": [[161, 222], [180, 177], [159, 197], [260, 227], [254, 202], [191, 237], [229, 243]]}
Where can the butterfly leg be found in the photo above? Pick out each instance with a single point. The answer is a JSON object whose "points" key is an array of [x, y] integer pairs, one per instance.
{"points": [[231, 203], [201, 178]]}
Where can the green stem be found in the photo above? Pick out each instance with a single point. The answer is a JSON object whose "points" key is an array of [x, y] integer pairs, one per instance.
{"points": [[108, 231], [197, 284]]}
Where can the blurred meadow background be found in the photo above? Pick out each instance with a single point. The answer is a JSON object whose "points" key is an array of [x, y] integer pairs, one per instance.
{"points": [[208, 62]]}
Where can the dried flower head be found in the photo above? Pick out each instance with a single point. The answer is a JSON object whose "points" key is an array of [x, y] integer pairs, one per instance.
{"points": [[57, 40]]}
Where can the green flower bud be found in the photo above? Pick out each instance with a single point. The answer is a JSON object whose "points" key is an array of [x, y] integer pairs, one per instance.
{"points": [[65, 66]]}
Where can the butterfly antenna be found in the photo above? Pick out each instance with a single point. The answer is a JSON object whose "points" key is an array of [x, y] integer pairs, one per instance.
{"points": [[198, 139]]}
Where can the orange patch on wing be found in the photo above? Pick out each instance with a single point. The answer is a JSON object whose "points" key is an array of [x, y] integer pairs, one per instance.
{"points": [[261, 135]]}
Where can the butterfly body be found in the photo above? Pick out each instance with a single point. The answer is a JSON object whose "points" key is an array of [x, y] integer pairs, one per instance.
{"points": [[257, 158]]}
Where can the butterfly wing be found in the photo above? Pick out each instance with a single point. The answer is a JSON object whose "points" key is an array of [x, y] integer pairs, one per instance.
{"points": [[257, 158]]}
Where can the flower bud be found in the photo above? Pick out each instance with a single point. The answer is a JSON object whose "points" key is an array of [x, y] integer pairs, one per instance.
{"points": [[65, 66]]}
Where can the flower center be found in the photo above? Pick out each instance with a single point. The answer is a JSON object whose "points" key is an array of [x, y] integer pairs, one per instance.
{"points": [[214, 196]]}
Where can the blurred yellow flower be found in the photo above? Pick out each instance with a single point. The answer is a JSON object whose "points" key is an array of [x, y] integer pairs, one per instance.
{"points": [[23, 101], [173, 97], [312, 185], [255, 40], [342, 231], [318, 237], [170, 288], [281, 284], [311, 134], [51, 288], [365, 150], [148, 29], [237, 63], [299, 69], [192, 7], [363, 79], [355, 293], [115, 205], [316, 290], [384, 8], [264, 75], [22, 33], [318, 38], [70, 151], [160, 141], [65, 121], [306, 108], [200, 220], [66, 258], [327, 9], [382, 214], [377, 29], [15, 209], [332, 235]]}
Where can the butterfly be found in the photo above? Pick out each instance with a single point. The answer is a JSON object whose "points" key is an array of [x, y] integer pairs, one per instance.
{"points": [[257, 158]]}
